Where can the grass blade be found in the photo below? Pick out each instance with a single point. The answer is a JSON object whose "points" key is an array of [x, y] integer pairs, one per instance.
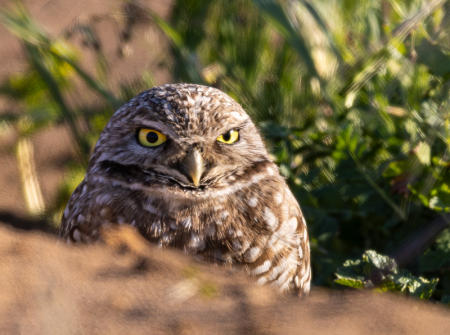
{"points": [[276, 14], [35, 60]]}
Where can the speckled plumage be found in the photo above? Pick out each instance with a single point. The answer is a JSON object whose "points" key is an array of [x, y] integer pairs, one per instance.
{"points": [[241, 212]]}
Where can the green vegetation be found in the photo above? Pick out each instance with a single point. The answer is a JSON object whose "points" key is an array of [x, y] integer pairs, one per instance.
{"points": [[375, 270], [352, 97]]}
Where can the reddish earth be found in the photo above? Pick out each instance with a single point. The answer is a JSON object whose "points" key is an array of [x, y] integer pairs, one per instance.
{"points": [[125, 285]]}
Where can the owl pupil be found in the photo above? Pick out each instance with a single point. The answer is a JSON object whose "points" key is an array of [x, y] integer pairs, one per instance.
{"points": [[152, 137], [226, 136]]}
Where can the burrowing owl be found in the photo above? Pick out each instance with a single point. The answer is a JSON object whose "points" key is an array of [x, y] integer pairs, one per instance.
{"points": [[185, 165]]}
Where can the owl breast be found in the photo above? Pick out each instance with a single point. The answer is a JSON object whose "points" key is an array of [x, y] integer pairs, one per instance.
{"points": [[255, 223]]}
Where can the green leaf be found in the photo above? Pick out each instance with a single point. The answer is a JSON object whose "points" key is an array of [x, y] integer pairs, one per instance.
{"points": [[415, 286], [374, 270], [379, 261], [437, 257], [423, 153], [434, 57], [349, 282]]}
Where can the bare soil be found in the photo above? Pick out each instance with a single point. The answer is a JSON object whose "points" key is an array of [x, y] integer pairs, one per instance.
{"points": [[125, 285]]}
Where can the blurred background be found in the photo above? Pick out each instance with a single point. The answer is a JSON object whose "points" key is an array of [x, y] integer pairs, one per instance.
{"points": [[351, 96]]}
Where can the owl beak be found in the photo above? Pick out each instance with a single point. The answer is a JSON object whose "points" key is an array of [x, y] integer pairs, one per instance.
{"points": [[193, 166]]}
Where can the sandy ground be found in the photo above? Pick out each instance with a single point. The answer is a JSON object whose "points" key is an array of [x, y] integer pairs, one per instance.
{"points": [[125, 285]]}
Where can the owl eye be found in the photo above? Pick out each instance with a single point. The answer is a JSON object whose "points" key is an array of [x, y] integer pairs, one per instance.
{"points": [[229, 137], [150, 137]]}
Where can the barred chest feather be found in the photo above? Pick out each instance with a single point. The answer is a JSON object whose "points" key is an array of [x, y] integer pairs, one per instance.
{"points": [[259, 225]]}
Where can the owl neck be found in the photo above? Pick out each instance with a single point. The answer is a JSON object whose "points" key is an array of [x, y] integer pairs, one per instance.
{"points": [[134, 178]]}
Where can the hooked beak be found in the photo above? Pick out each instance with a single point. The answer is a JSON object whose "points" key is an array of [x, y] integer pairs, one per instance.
{"points": [[193, 166]]}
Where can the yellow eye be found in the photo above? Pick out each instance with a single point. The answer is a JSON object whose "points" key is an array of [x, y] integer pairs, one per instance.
{"points": [[150, 137], [229, 137]]}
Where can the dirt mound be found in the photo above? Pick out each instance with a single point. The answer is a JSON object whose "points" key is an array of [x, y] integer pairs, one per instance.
{"points": [[128, 285]]}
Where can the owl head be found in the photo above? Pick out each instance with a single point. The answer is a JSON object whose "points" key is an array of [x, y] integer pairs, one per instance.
{"points": [[185, 137]]}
